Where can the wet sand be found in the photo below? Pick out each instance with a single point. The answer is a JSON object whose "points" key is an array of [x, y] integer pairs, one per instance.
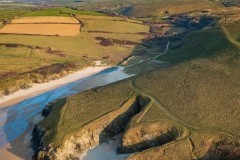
{"points": [[105, 151], [43, 87], [24, 151], [17, 121], [22, 142]]}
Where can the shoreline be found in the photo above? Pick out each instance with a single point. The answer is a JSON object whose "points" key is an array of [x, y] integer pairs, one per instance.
{"points": [[36, 89]]}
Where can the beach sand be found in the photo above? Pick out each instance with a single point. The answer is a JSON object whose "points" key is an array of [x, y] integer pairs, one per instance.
{"points": [[43, 87], [22, 143]]}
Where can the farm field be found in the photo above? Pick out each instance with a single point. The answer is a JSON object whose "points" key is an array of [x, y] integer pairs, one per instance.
{"points": [[42, 29], [66, 26], [45, 19], [92, 29], [74, 37]]}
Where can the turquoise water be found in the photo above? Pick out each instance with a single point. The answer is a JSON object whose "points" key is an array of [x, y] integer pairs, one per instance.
{"points": [[15, 120]]}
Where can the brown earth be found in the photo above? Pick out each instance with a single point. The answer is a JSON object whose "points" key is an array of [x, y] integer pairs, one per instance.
{"points": [[42, 29]]}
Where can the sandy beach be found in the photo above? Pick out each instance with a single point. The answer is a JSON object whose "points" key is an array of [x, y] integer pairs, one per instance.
{"points": [[43, 87], [22, 142]]}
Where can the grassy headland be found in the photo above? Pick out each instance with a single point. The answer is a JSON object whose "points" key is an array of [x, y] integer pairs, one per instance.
{"points": [[198, 95]]}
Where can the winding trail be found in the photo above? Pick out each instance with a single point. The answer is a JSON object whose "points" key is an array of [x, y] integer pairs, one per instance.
{"points": [[154, 58], [174, 117], [166, 50]]}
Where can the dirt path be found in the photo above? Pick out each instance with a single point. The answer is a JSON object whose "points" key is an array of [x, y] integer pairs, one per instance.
{"points": [[166, 50], [229, 37], [174, 117]]}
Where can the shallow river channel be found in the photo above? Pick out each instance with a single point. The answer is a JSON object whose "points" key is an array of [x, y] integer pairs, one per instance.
{"points": [[17, 119]]}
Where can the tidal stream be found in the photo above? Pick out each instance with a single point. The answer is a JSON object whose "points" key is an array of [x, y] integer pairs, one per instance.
{"points": [[18, 118]]}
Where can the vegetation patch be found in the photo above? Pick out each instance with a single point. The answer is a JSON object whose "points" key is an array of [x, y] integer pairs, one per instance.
{"points": [[68, 114], [58, 12]]}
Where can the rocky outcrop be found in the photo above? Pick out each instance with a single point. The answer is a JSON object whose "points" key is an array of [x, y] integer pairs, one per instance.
{"points": [[223, 151], [146, 136], [94, 133], [37, 135], [48, 108]]}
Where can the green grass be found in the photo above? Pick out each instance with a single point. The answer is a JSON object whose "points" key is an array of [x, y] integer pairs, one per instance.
{"points": [[19, 62], [232, 31], [202, 88], [59, 12], [85, 43], [83, 108], [10, 5], [6, 14], [23, 59], [201, 44]]}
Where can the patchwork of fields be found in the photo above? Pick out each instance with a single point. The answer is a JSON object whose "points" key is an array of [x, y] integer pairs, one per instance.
{"points": [[50, 26], [72, 36]]}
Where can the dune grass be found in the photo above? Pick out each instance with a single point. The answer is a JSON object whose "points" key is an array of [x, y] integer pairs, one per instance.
{"points": [[18, 63], [23, 59]]}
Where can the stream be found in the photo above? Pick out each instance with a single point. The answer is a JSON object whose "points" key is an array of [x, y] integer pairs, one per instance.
{"points": [[18, 118]]}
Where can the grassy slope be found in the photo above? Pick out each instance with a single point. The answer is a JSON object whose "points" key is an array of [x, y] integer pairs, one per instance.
{"points": [[83, 108], [200, 93], [201, 90], [232, 31], [212, 42], [23, 59], [59, 12], [17, 62]]}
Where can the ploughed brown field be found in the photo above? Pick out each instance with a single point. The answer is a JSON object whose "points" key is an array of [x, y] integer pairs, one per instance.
{"points": [[64, 26]]}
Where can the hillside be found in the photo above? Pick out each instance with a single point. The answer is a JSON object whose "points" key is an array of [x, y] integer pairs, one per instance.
{"points": [[189, 109]]}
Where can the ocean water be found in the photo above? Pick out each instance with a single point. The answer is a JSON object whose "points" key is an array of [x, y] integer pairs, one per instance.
{"points": [[15, 120]]}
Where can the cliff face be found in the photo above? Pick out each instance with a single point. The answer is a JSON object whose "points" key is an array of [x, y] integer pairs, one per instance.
{"points": [[92, 134], [146, 136]]}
